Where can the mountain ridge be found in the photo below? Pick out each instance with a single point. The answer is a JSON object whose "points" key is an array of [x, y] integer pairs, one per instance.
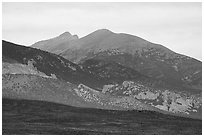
{"points": [[153, 60], [62, 40]]}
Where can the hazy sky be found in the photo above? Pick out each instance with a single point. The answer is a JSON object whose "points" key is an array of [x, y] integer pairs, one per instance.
{"points": [[177, 26]]}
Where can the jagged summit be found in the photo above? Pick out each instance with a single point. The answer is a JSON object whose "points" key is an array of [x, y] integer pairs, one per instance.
{"points": [[68, 35]]}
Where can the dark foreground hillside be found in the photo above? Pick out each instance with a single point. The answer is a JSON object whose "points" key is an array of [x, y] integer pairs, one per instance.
{"points": [[38, 117]]}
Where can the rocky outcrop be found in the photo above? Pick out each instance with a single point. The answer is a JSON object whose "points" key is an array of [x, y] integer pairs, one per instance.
{"points": [[33, 87], [91, 95], [107, 88], [168, 100]]}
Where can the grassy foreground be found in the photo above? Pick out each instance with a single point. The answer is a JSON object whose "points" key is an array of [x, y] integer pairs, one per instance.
{"points": [[38, 117]]}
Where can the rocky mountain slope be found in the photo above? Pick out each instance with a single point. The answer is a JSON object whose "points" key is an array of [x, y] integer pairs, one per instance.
{"points": [[33, 87], [47, 63], [17, 68], [169, 100], [62, 41], [93, 73], [152, 60], [33, 74], [112, 71]]}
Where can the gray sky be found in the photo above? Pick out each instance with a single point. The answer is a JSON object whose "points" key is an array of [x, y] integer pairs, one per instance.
{"points": [[177, 26]]}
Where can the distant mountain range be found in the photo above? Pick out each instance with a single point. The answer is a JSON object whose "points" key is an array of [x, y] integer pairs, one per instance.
{"points": [[109, 71], [149, 59]]}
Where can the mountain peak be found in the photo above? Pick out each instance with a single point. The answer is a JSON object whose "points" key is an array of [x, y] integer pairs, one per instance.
{"points": [[103, 31], [100, 33], [66, 33]]}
